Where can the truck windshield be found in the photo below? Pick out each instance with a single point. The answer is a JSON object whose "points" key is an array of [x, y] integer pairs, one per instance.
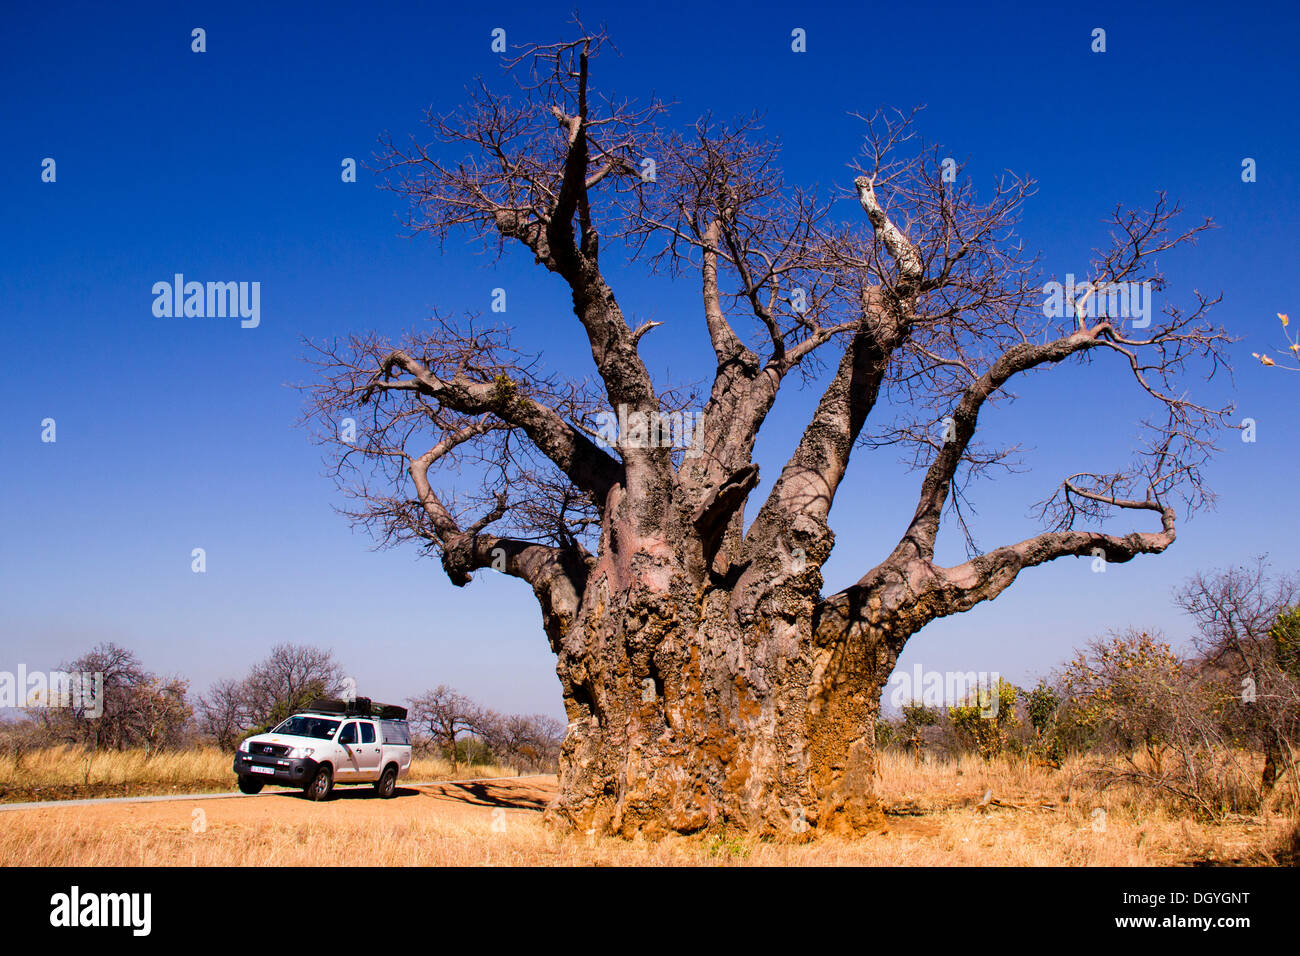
{"points": [[318, 727]]}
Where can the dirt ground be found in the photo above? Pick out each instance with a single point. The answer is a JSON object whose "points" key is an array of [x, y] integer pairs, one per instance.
{"points": [[452, 801], [499, 822]]}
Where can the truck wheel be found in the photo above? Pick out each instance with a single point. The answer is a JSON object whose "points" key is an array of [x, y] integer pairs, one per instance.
{"points": [[386, 785], [321, 785], [250, 784]]}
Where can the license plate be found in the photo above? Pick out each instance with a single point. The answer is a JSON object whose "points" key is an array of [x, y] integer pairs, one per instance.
{"points": [[257, 769]]}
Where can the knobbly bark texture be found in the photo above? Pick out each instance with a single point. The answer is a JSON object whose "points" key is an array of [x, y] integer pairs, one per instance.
{"points": [[708, 678]]}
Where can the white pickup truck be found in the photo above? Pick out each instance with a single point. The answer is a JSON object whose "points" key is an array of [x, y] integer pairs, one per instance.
{"points": [[331, 742]]}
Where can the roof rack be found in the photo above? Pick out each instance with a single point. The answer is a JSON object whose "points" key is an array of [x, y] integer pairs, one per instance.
{"points": [[356, 707]]}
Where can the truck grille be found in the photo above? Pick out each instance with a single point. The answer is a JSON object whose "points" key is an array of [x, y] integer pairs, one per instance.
{"points": [[270, 750]]}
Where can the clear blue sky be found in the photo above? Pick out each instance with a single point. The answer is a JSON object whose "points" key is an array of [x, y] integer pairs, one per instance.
{"points": [[178, 433]]}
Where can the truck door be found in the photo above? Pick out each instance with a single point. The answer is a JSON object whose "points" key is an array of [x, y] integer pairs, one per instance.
{"points": [[369, 752], [349, 765]]}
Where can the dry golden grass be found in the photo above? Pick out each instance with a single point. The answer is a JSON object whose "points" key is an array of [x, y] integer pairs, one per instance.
{"points": [[935, 818], [61, 773]]}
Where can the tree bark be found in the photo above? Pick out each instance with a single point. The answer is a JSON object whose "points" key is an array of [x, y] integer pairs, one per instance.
{"points": [[694, 706], [683, 724]]}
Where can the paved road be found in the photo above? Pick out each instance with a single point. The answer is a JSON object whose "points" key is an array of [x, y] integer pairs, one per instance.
{"points": [[234, 795]]}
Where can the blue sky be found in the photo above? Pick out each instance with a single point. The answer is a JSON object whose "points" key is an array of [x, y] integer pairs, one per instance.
{"points": [[178, 433]]}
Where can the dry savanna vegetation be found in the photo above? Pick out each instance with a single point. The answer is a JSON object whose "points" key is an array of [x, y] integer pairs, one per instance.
{"points": [[1131, 754], [961, 811], [153, 737], [66, 772]]}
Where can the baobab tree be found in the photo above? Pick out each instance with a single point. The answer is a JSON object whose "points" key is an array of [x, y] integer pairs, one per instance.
{"points": [[706, 677]]}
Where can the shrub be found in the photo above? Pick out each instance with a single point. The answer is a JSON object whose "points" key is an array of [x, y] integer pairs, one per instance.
{"points": [[987, 717]]}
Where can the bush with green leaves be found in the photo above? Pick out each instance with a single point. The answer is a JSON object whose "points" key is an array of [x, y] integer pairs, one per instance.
{"points": [[1042, 705], [987, 717]]}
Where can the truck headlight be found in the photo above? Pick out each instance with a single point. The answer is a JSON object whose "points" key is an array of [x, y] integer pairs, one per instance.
{"points": [[243, 746], [299, 752]]}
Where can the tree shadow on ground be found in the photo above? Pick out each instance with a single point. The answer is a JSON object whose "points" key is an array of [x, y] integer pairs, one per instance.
{"points": [[358, 792], [512, 796]]}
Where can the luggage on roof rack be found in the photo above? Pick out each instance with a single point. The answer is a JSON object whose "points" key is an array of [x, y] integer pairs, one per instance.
{"points": [[323, 706], [357, 707]]}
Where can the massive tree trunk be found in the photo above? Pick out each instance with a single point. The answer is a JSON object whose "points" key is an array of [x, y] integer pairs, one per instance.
{"points": [[694, 706], [688, 712]]}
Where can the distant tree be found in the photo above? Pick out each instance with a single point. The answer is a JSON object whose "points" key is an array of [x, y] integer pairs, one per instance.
{"points": [[443, 714], [139, 708], [1122, 690], [1282, 699], [1155, 722], [290, 678], [528, 741], [1041, 707], [286, 681], [1234, 610], [916, 717], [985, 719], [1248, 633], [163, 714], [19, 738], [223, 713], [549, 737], [1285, 634], [492, 730]]}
